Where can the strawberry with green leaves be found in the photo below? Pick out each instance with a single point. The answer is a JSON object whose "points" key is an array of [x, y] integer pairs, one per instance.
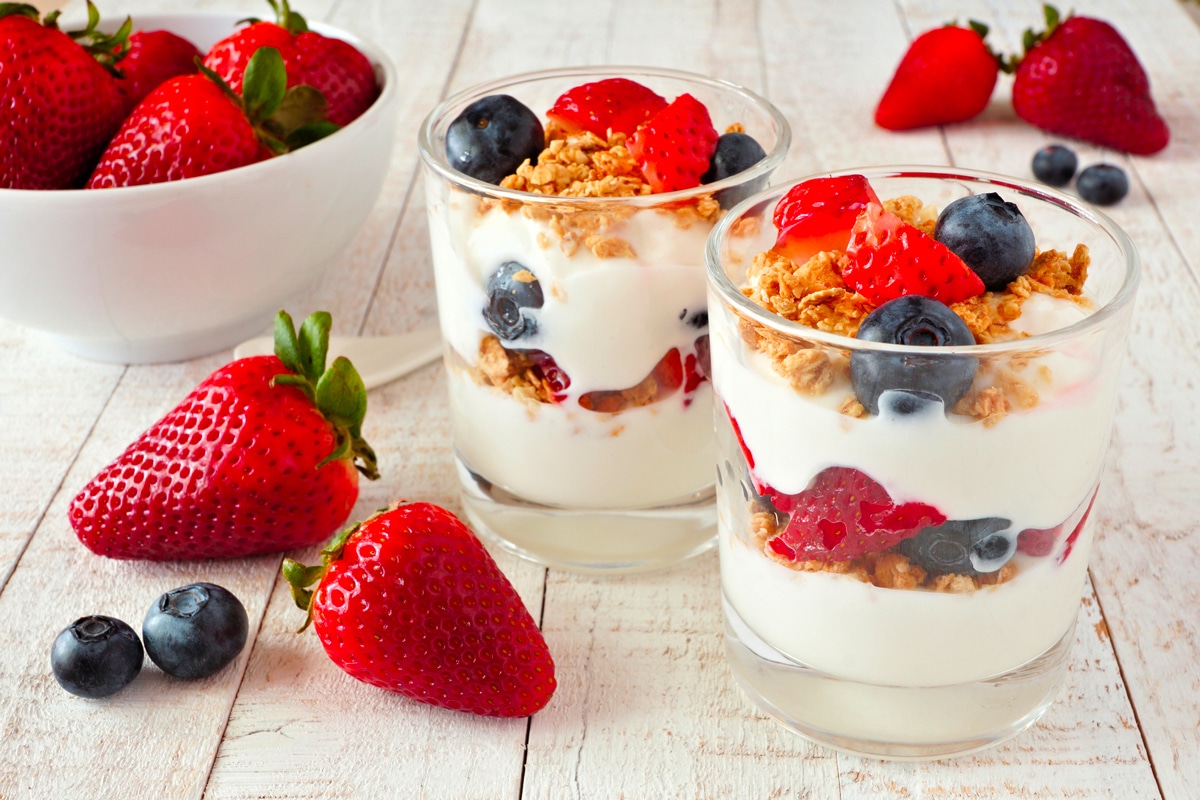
{"points": [[195, 125], [946, 75], [263, 456], [59, 101], [410, 601], [675, 146], [333, 67], [150, 59], [1080, 78]]}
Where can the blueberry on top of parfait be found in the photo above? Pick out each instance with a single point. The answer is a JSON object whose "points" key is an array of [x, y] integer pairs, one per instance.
{"points": [[492, 137], [916, 321], [736, 152], [990, 235]]}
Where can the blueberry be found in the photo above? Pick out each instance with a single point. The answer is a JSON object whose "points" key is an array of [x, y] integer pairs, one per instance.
{"points": [[1055, 164], [736, 152], [195, 630], [990, 235], [962, 547], [918, 321], [1102, 184], [492, 136], [96, 656], [698, 320], [510, 290]]}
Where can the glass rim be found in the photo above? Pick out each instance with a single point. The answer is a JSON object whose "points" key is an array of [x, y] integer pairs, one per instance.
{"points": [[733, 296], [435, 159]]}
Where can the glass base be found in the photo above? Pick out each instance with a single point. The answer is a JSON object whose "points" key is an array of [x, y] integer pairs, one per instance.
{"points": [[893, 722], [590, 540]]}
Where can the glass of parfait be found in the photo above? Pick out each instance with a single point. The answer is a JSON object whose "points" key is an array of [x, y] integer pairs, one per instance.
{"points": [[568, 213], [916, 374]]}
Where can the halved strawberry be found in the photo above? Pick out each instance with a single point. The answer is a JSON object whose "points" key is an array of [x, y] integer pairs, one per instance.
{"points": [[818, 215], [890, 258], [845, 514], [616, 104], [675, 146]]}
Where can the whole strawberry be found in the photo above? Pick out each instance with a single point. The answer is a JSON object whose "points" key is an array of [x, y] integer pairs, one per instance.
{"points": [[1080, 78], [675, 145], [410, 601], [260, 457], [335, 68], [59, 105], [196, 125], [150, 59], [946, 75]]}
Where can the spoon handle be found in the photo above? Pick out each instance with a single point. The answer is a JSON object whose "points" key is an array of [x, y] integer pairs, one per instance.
{"points": [[378, 359]]}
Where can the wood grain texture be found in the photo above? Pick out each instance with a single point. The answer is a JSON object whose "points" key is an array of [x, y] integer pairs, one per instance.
{"points": [[646, 707]]}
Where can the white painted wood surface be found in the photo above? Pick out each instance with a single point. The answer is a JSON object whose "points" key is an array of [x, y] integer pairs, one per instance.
{"points": [[646, 707]]}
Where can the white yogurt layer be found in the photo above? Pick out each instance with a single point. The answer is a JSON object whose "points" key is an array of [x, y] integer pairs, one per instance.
{"points": [[1036, 467], [853, 630], [606, 322]]}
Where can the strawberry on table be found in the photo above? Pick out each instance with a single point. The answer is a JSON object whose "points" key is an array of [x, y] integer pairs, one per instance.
{"points": [[196, 125], [616, 104], [150, 59], [410, 601], [946, 75], [59, 103], [1080, 78], [262, 456], [844, 514], [675, 146], [335, 68], [889, 258]]}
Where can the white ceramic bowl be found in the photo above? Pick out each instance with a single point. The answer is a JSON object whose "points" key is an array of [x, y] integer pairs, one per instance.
{"points": [[175, 270]]}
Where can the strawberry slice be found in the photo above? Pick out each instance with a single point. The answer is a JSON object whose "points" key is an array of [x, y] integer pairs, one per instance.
{"points": [[845, 514], [818, 215], [675, 146], [890, 258], [616, 104]]}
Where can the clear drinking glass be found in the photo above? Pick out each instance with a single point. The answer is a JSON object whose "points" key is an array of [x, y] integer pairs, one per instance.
{"points": [[867, 655], [587, 443]]}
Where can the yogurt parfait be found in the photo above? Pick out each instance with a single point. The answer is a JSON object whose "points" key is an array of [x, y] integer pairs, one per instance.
{"points": [[916, 376], [568, 214]]}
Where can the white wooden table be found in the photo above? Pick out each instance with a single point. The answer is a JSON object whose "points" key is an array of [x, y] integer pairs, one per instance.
{"points": [[645, 707]]}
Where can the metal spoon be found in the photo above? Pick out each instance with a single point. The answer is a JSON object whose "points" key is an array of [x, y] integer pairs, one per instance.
{"points": [[378, 359]]}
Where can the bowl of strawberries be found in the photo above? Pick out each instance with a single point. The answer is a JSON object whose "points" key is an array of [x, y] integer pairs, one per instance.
{"points": [[169, 181]]}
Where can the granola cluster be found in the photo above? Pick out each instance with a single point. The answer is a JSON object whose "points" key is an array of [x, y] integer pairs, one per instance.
{"points": [[813, 294], [886, 570]]}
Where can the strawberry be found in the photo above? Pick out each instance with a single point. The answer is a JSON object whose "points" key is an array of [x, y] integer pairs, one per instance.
{"points": [[889, 258], [946, 75], [333, 67], [616, 104], [675, 146], [1080, 78], [818, 214], [196, 125], [59, 104], [260, 457], [410, 601], [150, 59], [844, 514]]}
